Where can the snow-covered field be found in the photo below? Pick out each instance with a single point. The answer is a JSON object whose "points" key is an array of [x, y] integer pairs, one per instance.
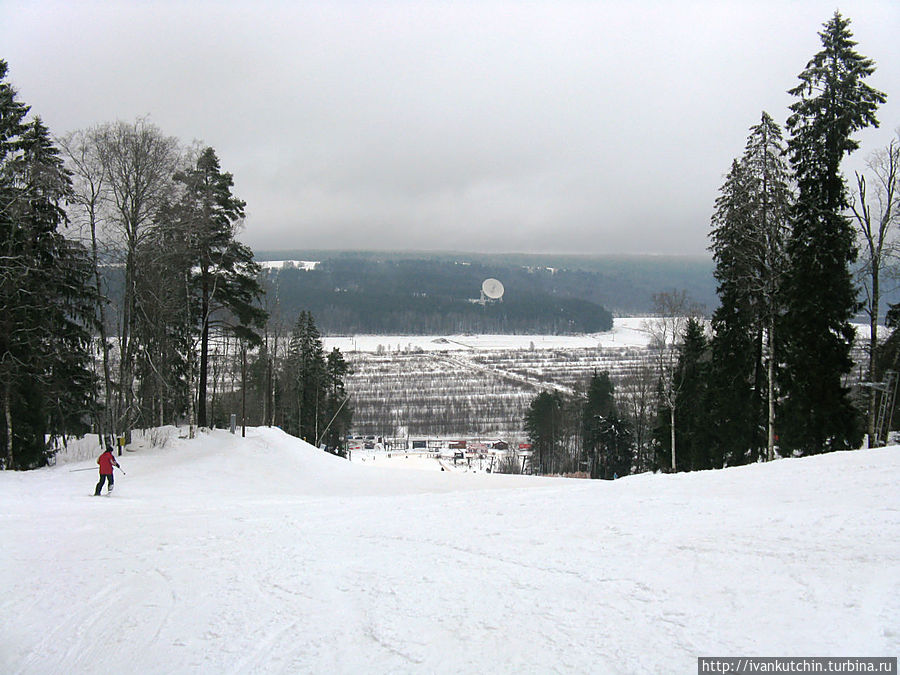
{"points": [[231, 555], [626, 332], [306, 265]]}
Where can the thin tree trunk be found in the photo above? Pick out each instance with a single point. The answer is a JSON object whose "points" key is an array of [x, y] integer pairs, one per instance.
{"points": [[873, 346], [770, 376], [243, 391], [672, 433], [204, 358], [272, 360], [192, 412], [7, 412], [265, 410], [269, 413], [108, 425], [215, 381], [300, 413], [126, 366]]}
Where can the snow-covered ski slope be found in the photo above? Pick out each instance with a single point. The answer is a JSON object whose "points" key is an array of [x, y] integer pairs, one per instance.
{"points": [[264, 555]]}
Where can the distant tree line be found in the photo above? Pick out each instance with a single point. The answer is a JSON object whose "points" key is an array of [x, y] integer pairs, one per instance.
{"points": [[623, 284], [361, 295], [770, 377]]}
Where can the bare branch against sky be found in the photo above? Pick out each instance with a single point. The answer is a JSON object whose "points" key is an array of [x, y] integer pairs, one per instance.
{"points": [[549, 126]]}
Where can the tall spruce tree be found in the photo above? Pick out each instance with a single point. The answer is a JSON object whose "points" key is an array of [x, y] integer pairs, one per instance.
{"points": [[833, 103], [223, 273], [735, 329], [749, 235], [338, 412], [46, 305], [543, 424], [304, 381], [599, 405]]}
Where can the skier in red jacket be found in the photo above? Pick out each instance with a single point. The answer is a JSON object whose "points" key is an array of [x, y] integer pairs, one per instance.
{"points": [[106, 462]]}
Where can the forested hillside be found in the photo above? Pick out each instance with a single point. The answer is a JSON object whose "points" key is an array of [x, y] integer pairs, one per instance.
{"points": [[420, 293]]}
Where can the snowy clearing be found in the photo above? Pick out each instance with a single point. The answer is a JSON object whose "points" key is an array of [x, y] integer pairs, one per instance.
{"points": [[231, 555], [626, 332], [305, 265]]}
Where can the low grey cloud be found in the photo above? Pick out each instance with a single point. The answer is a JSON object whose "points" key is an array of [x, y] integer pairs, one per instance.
{"points": [[579, 127]]}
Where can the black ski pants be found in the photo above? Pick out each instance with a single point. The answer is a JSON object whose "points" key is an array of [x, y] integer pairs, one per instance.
{"points": [[104, 477]]}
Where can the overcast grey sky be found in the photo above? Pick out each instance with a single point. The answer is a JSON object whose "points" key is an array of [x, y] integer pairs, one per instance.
{"points": [[565, 127]]}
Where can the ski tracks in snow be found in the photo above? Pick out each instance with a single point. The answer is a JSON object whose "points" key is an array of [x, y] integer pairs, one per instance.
{"points": [[114, 615], [326, 567]]}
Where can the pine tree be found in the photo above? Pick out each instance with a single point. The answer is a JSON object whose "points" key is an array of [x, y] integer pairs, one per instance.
{"points": [[46, 306], [821, 297]]}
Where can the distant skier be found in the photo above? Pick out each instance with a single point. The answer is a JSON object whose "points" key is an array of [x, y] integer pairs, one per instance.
{"points": [[106, 461]]}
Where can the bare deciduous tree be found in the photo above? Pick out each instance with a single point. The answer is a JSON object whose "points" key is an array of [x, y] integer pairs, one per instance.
{"points": [[636, 392], [139, 163], [88, 196], [673, 310], [876, 208]]}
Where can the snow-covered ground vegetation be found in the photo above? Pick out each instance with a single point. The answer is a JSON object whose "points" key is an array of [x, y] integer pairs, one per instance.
{"points": [[224, 554]]}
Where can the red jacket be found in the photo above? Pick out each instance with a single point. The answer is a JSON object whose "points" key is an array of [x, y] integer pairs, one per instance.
{"points": [[106, 462]]}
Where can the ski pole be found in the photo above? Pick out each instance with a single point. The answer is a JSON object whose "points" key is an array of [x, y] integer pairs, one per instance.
{"points": [[121, 469], [90, 468]]}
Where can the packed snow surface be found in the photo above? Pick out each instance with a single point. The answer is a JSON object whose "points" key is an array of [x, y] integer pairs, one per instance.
{"points": [[262, 554]]}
